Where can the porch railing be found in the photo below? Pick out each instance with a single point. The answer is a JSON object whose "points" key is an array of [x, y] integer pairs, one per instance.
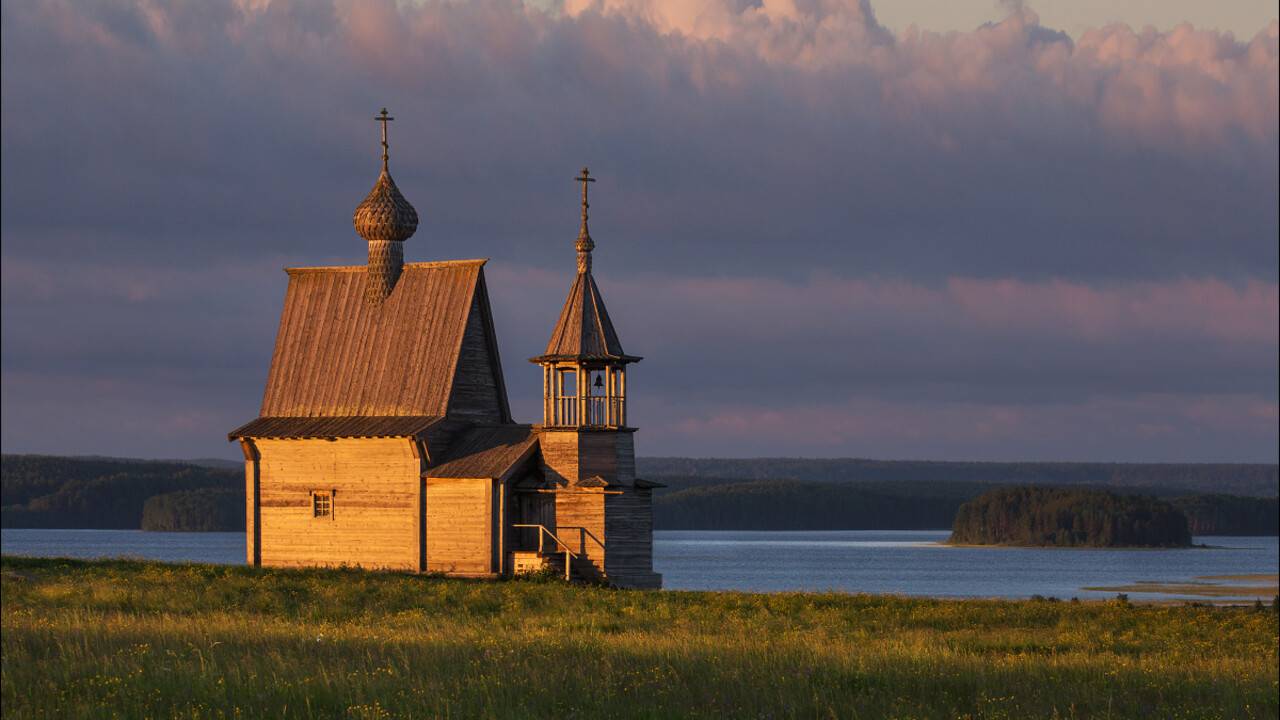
{"points": [[583, 536], [544, 533]]}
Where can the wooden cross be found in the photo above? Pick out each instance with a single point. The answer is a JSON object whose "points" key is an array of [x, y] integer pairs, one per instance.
{"points": [[384, 118], [585, 178]]}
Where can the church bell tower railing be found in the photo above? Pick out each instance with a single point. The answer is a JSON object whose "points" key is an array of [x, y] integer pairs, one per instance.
{"points": [[577, 395]]}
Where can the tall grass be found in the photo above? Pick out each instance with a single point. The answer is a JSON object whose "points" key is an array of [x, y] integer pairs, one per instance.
{"points": [[132, 639]]}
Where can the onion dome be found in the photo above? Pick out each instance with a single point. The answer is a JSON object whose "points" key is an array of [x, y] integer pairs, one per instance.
{"points": [[385, 215], [384, 219]]}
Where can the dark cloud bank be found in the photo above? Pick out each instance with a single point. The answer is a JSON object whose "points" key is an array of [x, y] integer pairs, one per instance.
{"points": [[827, 239]]}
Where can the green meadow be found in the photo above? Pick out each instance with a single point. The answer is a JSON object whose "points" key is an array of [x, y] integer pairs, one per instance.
{"points": [[135, 640]]}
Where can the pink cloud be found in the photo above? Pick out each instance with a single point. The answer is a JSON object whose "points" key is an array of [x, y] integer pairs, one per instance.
{"points": [[1209, 309], [969, 430], [1185, 85]]}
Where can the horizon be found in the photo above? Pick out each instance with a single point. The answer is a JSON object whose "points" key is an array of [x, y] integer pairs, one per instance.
{"points": [[1023, 232], [199, 460]]}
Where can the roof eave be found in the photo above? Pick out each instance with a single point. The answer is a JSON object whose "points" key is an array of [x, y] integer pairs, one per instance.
{"points": [[420, 427], [540, 359]]}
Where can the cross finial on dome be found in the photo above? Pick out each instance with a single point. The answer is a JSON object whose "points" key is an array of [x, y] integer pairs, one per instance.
{"points": [[384, 118], [584, 244], [384, 219]]}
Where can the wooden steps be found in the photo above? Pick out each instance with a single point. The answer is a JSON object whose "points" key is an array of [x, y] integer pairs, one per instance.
{"points": [[524, 562]]}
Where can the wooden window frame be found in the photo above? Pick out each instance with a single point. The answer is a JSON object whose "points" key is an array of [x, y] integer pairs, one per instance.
{"points": [[328, 496]]}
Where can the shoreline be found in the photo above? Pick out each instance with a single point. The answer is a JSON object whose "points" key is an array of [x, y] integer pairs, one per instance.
{"points": [[1219, 600], [1193, 546]]}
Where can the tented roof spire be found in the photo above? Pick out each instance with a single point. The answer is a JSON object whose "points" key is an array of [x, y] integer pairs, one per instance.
{"points": [[584, 330]]}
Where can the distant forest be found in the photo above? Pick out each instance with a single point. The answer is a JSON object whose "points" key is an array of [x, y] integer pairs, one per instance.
{"points": [[50, 491], [1069, 517], [1153, 479], [41, 491]]}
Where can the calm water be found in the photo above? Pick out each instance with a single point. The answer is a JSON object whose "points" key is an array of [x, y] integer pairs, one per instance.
{"points": [[873, 561]]}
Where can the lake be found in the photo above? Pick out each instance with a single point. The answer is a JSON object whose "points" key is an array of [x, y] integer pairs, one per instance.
{"points": [[871, 561]]}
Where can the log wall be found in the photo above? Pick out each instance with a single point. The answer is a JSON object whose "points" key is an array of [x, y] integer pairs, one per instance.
{"points": [[582, 508], [374, 523], [559, 450], [569, 456], [610, 455], [629, 524], [460, 527]]}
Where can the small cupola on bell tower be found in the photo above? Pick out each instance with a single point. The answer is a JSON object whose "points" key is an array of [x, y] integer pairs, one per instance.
{"points": [[584, 369], [385, 220]]}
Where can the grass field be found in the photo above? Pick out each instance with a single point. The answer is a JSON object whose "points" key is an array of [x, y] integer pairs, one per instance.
{"points": [[134, 639]]}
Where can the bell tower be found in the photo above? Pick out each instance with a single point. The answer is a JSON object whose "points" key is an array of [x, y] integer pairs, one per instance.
{"points": [[584, 369], [587, 447]]}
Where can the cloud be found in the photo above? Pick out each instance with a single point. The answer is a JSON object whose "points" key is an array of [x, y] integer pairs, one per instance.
{"points": [[801, 215], [1148, 427], [782, 343], [1170, 88]]}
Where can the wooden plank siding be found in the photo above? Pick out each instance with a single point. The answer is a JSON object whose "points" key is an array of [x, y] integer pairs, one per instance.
{"points": [[582, 508], [618, 514], [375, 484], [253, 506], [629, 525], [569, 456], [478, 392], [559, 456], [460, 525], [609, 454]]}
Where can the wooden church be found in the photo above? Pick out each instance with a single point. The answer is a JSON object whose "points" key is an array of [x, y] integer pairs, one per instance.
{"points": [[385, 439]]}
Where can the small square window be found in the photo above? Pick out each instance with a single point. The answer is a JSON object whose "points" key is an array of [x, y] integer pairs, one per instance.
{"points": [[322, 504]]}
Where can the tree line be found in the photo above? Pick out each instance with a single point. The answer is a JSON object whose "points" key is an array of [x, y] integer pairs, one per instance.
{"points": [[42, 491], [50, 491], [1163, 479]]}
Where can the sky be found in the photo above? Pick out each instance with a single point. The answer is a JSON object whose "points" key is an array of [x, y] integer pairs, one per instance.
{"points": [[931, 230]]}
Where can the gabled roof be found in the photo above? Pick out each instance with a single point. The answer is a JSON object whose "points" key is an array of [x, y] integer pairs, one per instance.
{"points": [[584, 330], [337, 355], [334, 427], [487, 452]]}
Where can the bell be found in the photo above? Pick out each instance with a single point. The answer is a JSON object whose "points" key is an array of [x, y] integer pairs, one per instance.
{"points": [[599, 381]]}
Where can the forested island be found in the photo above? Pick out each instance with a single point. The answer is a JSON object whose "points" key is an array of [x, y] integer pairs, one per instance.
{"points": [[1069, 517], [66, 492]]}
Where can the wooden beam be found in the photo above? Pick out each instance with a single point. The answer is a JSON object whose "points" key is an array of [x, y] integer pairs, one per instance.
{"points": [[252, 502]]}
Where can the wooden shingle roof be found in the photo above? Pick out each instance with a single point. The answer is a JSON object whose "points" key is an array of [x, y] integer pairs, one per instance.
{"points": [[584, 330], [337, 355], [487, 452], [334, 427]]}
